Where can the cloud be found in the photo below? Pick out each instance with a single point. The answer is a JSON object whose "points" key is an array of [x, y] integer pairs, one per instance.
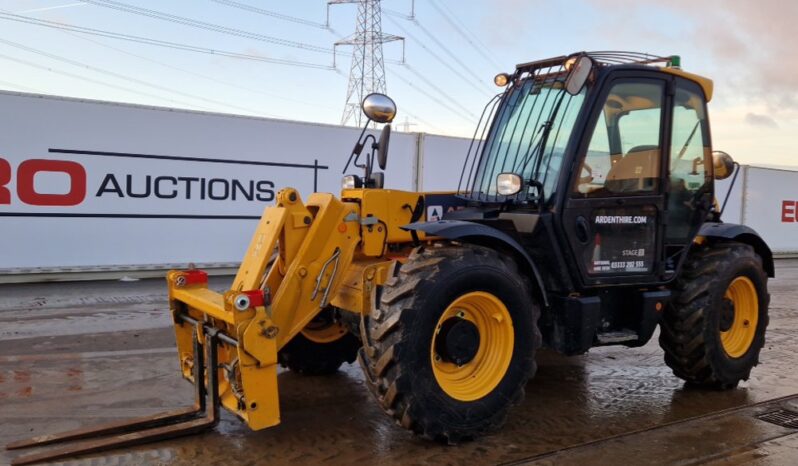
{"points": [[500, 26], [762, 121], [751, 44]]}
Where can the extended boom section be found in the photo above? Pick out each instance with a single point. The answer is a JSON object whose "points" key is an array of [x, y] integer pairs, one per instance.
{"points": [[294, 263]]}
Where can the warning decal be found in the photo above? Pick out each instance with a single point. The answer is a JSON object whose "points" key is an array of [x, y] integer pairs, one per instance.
{"points": [[434, 213]]}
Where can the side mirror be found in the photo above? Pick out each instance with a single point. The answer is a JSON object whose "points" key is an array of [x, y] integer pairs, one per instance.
{"points": [[579, 69], [379, 107], [382, 147], [722, 164]]}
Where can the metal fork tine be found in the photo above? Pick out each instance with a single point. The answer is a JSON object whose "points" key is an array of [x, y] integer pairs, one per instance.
{"points": [[118, 441], [185, 414], [142, 430], [121, 427]]}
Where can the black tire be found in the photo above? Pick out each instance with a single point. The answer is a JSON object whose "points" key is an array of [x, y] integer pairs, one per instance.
{"points": [[397, 340], [690, 332], [307, 357]]}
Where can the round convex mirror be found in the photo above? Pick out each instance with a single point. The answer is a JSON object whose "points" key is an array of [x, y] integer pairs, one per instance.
{"points": [[379, 107], [723, 165]]}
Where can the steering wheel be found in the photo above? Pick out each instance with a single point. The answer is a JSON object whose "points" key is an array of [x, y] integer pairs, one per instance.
{"points": [[589, 177]]}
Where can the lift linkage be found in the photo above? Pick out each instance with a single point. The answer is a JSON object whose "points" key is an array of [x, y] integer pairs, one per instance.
{"points": [[203, 415]]}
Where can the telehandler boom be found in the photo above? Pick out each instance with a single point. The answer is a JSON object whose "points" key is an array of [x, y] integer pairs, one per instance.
{"points": [[585, 216]]}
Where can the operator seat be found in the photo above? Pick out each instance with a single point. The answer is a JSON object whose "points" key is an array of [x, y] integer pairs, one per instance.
{"points": [[637, 171]]}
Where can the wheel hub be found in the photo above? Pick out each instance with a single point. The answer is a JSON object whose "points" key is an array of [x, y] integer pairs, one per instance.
{"points": [[740, 318], [472, 346], [458, 341], [726, 315]]}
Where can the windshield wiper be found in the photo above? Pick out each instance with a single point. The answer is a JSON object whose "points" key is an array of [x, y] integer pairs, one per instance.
{"points": [[537, 152], [689, 138]]}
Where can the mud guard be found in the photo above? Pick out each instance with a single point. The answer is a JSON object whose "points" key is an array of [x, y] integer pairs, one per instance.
{"points": [[477, 233], [743, 234]]}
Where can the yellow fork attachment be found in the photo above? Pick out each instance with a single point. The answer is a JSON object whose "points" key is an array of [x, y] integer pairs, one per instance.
{"points": [[272, 297], [239, 332]]}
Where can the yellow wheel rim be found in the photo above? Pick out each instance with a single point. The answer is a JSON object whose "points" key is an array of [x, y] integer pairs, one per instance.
{"points": [[479, 376], [739, 337], [327, 333]]}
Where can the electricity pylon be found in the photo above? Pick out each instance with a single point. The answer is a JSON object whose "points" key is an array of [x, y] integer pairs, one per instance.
{"points": [[367, 71]]}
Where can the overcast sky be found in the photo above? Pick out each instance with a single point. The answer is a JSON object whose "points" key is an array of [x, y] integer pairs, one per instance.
{"points": [[747, 47]]}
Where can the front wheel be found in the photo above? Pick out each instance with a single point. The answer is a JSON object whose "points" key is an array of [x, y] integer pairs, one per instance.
{"points": [[452, 342], [712, 334], [321, 347]]}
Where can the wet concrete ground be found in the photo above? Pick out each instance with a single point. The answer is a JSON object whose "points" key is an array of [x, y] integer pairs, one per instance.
{"points": [[73, 355]]}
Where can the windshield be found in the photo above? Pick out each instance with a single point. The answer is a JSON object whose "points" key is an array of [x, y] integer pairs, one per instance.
{"points": [[528, 136]]}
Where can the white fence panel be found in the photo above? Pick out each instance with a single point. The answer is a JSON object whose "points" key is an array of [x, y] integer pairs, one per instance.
{"points": [[94, 184], [770, 206], [442, 160]]}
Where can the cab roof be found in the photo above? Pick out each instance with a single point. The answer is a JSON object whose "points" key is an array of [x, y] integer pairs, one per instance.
{"points": [[670, 65]]}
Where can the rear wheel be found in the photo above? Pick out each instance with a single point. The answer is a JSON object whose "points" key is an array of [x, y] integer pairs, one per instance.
{"points": [[452, 342], [321, 348], [714, 330]]}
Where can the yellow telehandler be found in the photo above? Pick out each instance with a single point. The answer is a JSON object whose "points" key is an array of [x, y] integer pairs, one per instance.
{"points": [[585, 216]]}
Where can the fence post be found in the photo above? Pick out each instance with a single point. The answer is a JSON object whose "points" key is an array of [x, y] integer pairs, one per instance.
{"points": [[418, 163]]}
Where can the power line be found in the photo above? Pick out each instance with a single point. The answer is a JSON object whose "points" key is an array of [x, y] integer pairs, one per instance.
{"points": [[119, 6], [123, 77], [433, 98], [146, 41], [464, 31], [48, 8], [440, 91], [194, 73], [451, 54], [172, 45], [391, 12], [438, 58], [156, 42], [102, 83], [273, 14], [412, 18]]}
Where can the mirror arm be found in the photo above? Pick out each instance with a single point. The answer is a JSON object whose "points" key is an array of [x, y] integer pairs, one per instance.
{"points": [[532, 183], [363, 145], [731, 186], [358, 147], [370, 161]]}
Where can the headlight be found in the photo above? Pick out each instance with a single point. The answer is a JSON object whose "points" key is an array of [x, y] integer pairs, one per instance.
{"points": [[508, 184], [351, 182]]}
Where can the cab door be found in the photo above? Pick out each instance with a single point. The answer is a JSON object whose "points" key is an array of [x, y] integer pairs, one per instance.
{"points": [[689, 188], [614, 213]]}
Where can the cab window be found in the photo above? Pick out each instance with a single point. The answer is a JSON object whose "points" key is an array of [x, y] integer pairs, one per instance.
{"points": [[690, 159], [624, 154]]}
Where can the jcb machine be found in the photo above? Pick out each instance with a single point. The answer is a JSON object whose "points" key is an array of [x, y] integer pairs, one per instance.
{"points": [[585, 216]]}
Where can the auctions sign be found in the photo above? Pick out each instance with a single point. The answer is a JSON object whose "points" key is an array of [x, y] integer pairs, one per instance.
{"points": [[144, 185]]}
